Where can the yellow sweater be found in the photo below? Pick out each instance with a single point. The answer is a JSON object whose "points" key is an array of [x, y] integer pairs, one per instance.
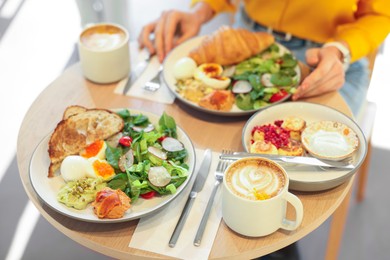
{"points": [[363, 24]]}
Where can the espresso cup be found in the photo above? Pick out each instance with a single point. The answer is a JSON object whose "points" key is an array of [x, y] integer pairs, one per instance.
{"points": [[104, 53], [254, 198]]}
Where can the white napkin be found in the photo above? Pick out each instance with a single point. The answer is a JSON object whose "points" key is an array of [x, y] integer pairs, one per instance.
{"points": [[163, 95], [154, 232]]}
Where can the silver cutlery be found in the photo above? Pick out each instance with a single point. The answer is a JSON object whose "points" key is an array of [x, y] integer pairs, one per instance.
{"points": [[200, 180], [219, 172], [154, 84], [136, 73], [300, 160]]}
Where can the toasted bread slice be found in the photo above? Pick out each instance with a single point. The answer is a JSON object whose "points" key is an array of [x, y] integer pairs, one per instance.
{"points": [[78, 131], [73, 110]]}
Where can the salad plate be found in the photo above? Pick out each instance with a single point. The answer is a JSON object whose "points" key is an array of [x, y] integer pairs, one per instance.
{"points": [[310, 178], [48, 188], [182, 51]]}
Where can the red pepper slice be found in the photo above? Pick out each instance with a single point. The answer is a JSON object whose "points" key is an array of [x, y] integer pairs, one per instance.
{"points": [[278, 96], [148, 195], [125, 141]]}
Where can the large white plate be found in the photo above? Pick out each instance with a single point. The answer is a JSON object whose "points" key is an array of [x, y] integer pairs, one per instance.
{"points": [[309, 178], [182, 51], [47, 188]]}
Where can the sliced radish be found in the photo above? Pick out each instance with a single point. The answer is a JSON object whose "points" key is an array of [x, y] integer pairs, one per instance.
{"points": [[113, 141], [126, 160], [229, 71], [266, 80], [157, 152], [159, 176], [242, 86], [146, 129], [171, 144]]}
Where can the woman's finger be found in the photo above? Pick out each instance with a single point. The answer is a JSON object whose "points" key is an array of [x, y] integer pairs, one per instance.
{"points": [[144, 37]]}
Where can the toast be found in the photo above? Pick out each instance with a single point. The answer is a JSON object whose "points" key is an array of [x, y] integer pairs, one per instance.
{"points": [[78, 130]]}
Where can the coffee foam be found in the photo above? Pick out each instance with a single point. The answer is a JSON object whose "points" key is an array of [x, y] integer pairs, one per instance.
{"points": [[103, 37], [255, 179]]}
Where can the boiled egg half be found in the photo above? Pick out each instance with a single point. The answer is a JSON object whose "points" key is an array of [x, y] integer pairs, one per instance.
{"points": [[98, 168], [184, 68], [96, 149], [75, 167], [211, 75]]}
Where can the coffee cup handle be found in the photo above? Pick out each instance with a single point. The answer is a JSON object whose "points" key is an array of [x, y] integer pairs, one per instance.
{"points": [[297, 204]]}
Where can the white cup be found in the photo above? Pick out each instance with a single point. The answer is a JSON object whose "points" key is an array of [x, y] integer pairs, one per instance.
{"points": [[255, 196], [104, 52]]}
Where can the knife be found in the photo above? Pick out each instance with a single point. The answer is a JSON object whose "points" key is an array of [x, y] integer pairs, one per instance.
{"points": [[136, 73], [200, 180], [291, 159]]}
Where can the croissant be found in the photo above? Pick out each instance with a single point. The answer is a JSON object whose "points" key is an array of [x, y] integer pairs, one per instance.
{"points": [[229, 46]]}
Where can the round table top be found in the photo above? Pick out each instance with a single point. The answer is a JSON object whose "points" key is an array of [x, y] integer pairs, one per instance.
{"points": [[71, 88]]}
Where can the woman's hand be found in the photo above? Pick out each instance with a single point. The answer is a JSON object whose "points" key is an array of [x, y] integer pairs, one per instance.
{"points": [[327, 76], [172, 28]]}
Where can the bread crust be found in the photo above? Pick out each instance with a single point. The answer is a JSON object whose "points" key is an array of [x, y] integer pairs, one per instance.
{"points": [[228, 46]]}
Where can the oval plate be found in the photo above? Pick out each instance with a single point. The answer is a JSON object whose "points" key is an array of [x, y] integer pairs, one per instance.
{"points": [[309, 178], [47, 188], [182, 51]]}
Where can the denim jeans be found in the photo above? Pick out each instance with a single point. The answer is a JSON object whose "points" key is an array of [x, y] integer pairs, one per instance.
{"points": [[357, 77]]}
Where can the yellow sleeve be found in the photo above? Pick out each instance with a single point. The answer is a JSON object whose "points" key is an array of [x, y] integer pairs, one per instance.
{"points": [[218, 5], [369, 30]]}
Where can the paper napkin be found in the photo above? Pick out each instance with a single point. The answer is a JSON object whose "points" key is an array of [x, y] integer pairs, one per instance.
{"points": [[154, 232], [163, 95]]}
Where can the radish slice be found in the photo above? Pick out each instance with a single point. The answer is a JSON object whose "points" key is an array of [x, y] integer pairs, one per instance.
{"points": [[159, 176], [266, 80], [171, 144], [146, 129], [126, 160], [157, 152], [229, 71], [242, 86]]}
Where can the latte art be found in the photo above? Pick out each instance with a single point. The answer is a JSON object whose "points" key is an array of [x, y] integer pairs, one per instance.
{"points": [[255, 179], [103, 38]]}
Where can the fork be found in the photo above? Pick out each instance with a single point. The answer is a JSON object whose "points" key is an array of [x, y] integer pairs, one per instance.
{"points": [[154, 84], [219, 172]]}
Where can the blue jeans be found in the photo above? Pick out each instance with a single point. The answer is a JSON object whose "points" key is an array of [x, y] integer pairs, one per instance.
{"points": [[357, 77]]}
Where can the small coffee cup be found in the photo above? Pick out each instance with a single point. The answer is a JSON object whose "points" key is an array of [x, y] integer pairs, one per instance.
{"points": [[254, 198], [104, 53]]}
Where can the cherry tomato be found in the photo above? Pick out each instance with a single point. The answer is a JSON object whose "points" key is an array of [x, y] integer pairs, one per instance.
{"points": [[278, 96], [162, 138], [148, 195], [125, 141]]}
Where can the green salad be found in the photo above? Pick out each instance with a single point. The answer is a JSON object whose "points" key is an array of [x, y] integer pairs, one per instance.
{"points": [[148, 159], [264, 78]]}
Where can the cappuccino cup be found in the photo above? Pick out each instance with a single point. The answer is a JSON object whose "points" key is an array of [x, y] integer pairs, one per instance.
{"points": [[104, 53], [255, 196]]}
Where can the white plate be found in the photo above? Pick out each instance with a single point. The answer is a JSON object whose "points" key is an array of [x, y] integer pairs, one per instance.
{"points": [[309, 178], [182, 51], [47, 188]]}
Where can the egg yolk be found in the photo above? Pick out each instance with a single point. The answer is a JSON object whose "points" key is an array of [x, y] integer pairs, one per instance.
{"points": [[92, 149], [103, 169]]}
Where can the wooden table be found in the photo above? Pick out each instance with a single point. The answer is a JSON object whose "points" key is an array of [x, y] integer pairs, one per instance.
{"points": [[222, 133]]}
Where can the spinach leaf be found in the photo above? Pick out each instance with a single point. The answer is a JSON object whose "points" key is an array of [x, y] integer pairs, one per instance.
{"points": [[279, 79], [112, 156], [168, 125], [124, 114]]}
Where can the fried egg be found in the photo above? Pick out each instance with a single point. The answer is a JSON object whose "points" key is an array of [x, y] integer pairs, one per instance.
{"points": [[96, 149], [98, 168]]}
